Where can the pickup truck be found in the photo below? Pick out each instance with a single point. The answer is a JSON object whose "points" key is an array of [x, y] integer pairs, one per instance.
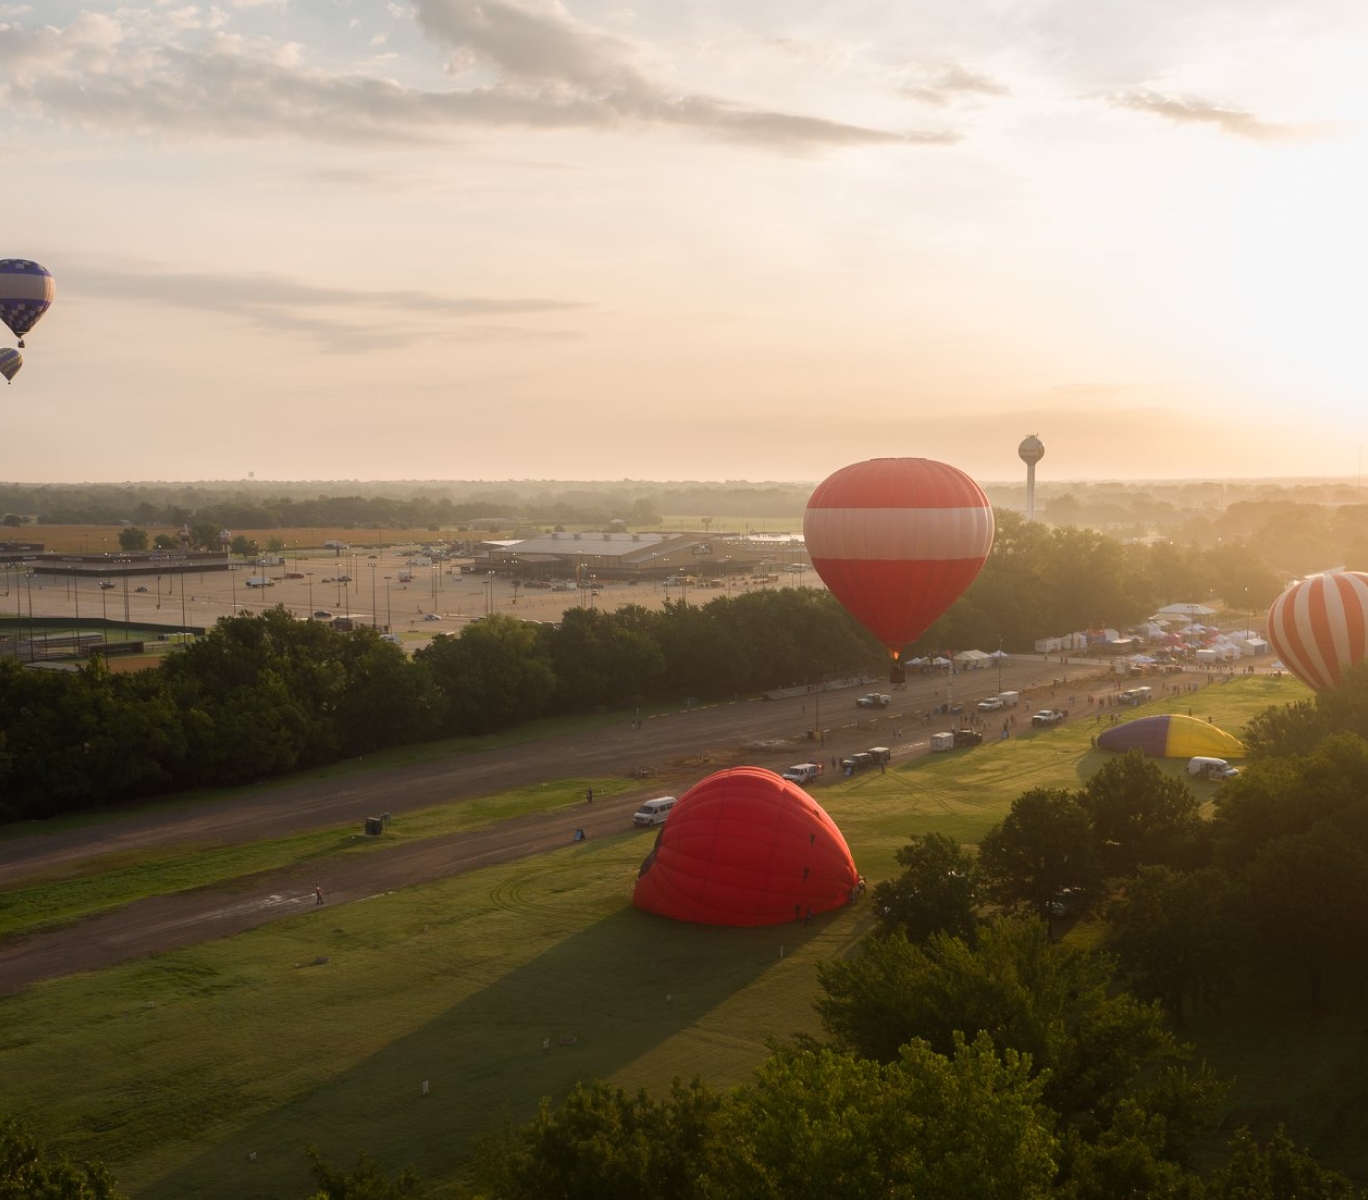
{"points": [[873, 700], [992, 704], [1047, 716]]}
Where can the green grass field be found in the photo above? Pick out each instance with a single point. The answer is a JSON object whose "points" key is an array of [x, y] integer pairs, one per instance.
{"points": [[495, 987]]}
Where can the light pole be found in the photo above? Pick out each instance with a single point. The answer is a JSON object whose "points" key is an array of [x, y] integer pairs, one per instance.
{"points": [[999, 656], [309, 575], [375, 617], [28, 579], [388, 626]]}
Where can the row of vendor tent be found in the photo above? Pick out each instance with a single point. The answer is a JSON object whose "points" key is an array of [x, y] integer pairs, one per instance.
{"points": [[965, 660]]}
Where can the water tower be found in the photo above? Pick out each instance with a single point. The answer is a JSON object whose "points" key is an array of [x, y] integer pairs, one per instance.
{"points": [[1031, 451]]}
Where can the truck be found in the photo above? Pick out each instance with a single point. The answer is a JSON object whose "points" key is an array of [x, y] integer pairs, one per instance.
{"points": [[802, 772], [1010, 699], [256, 581]]}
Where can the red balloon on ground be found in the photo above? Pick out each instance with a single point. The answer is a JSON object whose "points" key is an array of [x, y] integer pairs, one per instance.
{"points": [[897, 540], [1319, 627], [745, 847]]}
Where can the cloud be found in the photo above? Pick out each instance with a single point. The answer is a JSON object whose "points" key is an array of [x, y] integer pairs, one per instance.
{"points": [[182, 74], [949, 83], [343, 319], [1201, 112]]}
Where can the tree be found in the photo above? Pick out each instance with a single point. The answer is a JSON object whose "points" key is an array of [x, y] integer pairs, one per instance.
{"points": [[967, 1125], [1176, 935], [603, 1143], [1044, 846], [1290, 795], [1307, 896], [29, 1172], [1140, 816], [1275, 1170], [1056, 1005], [936, 893], [491, 675], [365, 1181], [132, 539]]}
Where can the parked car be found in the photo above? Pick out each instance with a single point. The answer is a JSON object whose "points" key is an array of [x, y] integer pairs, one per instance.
{"points": [[967, 737], [1047, 716], [322, 614], [873, 700], [992, 704]]}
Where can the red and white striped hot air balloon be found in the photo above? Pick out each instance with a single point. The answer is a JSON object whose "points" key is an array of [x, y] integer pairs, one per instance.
{"points": [[1319, 627], [897, 540]]}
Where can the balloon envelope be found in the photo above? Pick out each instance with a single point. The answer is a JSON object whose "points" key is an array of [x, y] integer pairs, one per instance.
{"points": [[897, 540], [26, 292], [1172, 735], [1319, 626], [10, 362], [745, 847]]}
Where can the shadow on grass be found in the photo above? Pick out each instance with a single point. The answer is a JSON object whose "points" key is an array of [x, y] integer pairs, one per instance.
{"points": [[591, 1005]]}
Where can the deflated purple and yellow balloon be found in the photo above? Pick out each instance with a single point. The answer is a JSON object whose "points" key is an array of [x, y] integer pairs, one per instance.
{"points": [[1172, 736]]}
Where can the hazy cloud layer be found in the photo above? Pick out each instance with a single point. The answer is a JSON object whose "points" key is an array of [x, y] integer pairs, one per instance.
{"points": [[325, 314], [184, 72]]}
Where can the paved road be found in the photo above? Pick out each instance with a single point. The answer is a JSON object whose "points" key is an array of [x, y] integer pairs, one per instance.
{"points": [[678, 749]]}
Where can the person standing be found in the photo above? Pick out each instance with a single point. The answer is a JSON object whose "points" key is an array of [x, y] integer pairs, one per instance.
{"points": [[318, 894], [589, 795]]}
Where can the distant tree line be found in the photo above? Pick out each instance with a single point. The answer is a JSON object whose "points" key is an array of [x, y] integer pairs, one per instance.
{"points": [[261, 695], [394, 506]]}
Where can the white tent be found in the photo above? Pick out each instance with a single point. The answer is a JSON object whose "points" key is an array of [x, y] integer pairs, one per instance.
{"points": [[1186, 610]]}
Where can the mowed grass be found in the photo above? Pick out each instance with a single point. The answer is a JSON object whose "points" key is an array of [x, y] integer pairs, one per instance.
{"points": [[114, 880], [497, 987]]}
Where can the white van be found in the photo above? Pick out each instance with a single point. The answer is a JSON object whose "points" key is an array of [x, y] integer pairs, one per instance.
{"points": [[654, 812], [1211, 768], [802, 772]]}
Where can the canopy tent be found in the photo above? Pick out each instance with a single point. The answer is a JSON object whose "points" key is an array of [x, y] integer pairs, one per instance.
{"points": [[1186, 610]]}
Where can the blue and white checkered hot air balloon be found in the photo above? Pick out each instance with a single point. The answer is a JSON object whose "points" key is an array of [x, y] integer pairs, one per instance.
{"points": [[10, 362], [26, 292]]}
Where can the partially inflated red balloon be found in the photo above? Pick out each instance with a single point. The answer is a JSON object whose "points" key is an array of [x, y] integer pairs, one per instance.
{"points": [[1319, 627], [897, 540], [745, 847]]}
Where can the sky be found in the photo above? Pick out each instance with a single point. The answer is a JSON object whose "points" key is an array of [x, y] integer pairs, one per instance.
{"points": [[714, 240]]}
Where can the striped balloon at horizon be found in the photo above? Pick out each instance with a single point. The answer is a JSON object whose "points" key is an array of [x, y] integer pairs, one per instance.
{"points": [[897, 540], [1319, 626], [27, 290]]}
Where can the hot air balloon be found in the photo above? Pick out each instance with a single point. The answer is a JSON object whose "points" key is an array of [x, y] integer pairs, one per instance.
{"points": [[897, 540], [1319, 626], [10, 362], [1172, 735], [26, 292], [745, 847]]}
